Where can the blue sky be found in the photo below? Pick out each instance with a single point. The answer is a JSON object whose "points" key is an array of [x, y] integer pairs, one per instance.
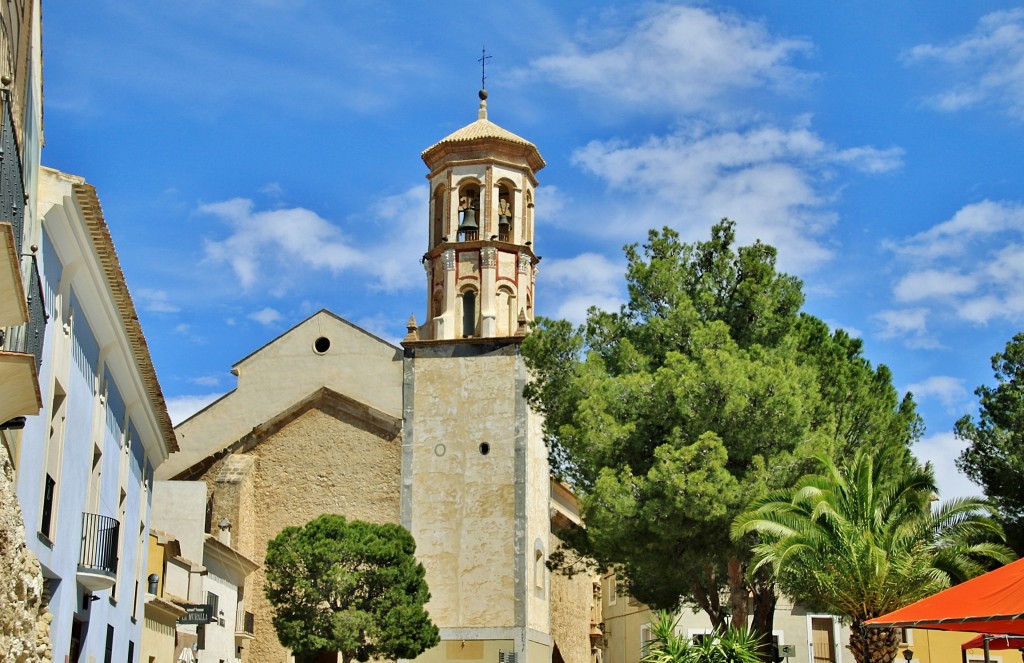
{"points": [[259, 160]]}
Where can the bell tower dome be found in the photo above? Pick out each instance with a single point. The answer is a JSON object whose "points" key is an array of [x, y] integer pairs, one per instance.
{"points": [[480, 259]]}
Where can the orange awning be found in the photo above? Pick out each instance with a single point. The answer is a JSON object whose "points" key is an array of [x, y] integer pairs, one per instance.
{"points": [[995, 642], [990, 603]]}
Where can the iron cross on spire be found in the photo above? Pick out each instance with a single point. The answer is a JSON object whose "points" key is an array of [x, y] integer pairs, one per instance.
{"points": [[483, 67]]}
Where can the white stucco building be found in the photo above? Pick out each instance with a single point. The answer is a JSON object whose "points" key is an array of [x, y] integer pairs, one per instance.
{"points": [[24, 631], [86, 462]]}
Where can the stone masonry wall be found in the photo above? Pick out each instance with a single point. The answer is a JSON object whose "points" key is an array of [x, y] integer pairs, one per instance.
{"points": [[315, 464], [571, 602], [24, 620]]}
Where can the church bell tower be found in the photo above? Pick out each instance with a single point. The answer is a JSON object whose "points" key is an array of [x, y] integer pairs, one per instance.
{"points": [[480, 261], [475, 476]]}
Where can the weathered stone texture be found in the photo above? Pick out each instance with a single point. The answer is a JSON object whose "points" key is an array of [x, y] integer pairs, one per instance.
{"points": [[463, 506], [571, 608], [313, 465], [24, 620]]}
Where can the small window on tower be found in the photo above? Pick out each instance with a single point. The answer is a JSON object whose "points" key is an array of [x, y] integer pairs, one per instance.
{"points": [[468, 314], [438, 229]]}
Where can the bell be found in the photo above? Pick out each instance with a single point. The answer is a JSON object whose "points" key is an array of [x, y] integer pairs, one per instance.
{"points": [[469, 220]]}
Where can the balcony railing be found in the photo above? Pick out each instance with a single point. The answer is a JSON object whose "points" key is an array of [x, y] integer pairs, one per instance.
{"points": [[28, 338], [244, 623], [12, 182], [97, 560]]}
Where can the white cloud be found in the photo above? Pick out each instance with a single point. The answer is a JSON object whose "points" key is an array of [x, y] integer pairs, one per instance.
{"points": [[971, 224], [941, 449], [401, 219], [871, 159], [911, 324], [578, 283], [552, 200], [928, 283], [983, 68], [157, 301], [206, 380], [277, 246], [947, 390], [265, 316], [181, 408], [771, 180], [970, 266], [280, 236], [273, 189], [675, 58]]}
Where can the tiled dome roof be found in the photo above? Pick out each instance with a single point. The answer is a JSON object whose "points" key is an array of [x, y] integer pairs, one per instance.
{"points": [[484, 129]]}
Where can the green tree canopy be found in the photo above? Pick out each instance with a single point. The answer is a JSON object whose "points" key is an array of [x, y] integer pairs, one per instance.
{"points": [[994, 458], [707, 389], [349, 587], [860, 540]]}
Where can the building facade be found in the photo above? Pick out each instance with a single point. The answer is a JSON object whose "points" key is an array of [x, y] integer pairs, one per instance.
{"points": [[201, 575], [802, 636], [24, 623], [85, 467], [435, 435], [162, 609]]}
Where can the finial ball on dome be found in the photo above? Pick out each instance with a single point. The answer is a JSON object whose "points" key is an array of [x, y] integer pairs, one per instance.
{"points": [[483, 95]]}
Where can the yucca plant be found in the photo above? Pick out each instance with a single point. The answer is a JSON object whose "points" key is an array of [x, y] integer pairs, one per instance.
{"points": [[729, 646]]}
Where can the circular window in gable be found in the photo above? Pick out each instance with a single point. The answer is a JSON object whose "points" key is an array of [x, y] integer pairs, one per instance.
{"points": [[321, 345]]}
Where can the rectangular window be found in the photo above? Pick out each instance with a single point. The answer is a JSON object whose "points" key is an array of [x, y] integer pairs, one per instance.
{"points": [[54, 456], [49, 487], [108, 656], [646, 637], [698, 635], [613, 590], [822, 640], [213, 601], [131, 652]]}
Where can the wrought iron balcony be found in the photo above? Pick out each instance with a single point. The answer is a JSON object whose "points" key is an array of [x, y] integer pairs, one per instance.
{"points": [[19, 390], [97, 561], [12, 181], [244, 624], [28, 338]]}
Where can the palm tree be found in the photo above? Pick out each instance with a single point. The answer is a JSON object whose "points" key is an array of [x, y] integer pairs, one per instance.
{"points": [[862, 540]]}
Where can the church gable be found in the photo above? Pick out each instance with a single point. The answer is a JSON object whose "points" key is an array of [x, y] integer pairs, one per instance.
{"points": [[324, 352], [339, 406]]}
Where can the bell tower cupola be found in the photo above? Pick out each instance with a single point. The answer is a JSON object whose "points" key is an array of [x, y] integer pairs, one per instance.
{"points": [[480, 260]]}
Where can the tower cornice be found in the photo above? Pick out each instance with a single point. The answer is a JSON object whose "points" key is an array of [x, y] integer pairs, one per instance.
{"points": [[484, 150]]}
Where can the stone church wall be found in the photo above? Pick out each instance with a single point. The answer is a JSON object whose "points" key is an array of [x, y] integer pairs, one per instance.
{"points": [[571, 608], [318, 463], [24, 620]]}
